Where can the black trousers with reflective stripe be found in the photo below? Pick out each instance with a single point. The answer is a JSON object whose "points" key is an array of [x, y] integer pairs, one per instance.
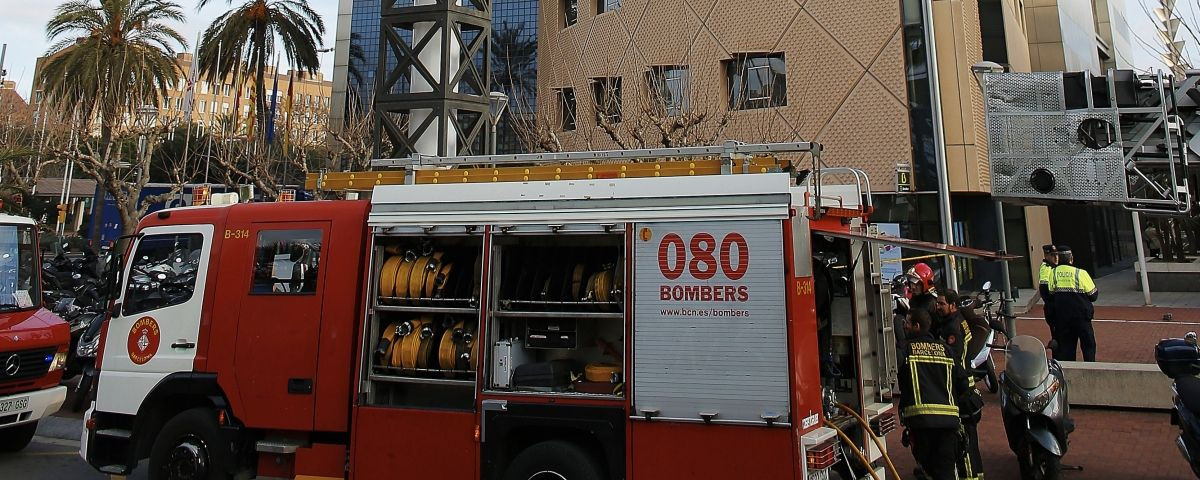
{"points": [[936, 451]]}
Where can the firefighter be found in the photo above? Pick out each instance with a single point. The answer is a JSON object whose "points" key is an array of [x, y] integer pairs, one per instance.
{"points": [[918, 293], [956, 332], [1045, 273], [921, 293], [1073, 292], [931, 382]]}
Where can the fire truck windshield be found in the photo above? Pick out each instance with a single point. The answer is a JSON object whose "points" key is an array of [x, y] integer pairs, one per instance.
{"points": [[19, 287]]}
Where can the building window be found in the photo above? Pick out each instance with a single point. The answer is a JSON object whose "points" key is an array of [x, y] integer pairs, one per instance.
{"points": [[757, 81], [570, 12], [669, 88], [202, 106], [167, 103], [287, 261], [607, 93], [566, 108], [607, 5]]}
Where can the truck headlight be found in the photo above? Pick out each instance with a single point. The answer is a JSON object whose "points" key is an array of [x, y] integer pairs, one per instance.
{"points": [[60, 361]]}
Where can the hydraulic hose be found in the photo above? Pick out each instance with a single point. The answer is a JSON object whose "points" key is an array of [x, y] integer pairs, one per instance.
{"points": [[854, 448], [878, 443]]}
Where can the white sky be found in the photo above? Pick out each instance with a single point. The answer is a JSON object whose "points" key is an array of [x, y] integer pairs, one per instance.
{"points": [[23, 28]]}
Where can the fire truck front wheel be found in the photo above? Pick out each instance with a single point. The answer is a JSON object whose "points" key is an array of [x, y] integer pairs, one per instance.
{"points": [[190, 447], [554, 460]]}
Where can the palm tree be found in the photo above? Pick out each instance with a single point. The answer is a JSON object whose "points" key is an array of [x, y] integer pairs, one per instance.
{"points": [[111, 57], [249, 31]]}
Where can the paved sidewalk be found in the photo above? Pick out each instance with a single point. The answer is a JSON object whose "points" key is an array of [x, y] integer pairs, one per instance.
{"points": [[1108, 444]]}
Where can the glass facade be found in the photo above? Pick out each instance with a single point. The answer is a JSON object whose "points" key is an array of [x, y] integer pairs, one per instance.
{"points": [[364, 55], [514, 62], [514, 69]]}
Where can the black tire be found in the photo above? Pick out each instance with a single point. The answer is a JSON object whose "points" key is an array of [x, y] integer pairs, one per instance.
{"points": [[554, 460], [1036, 463], [83, 392], [190, 447], [15, 439], [989, 380]]}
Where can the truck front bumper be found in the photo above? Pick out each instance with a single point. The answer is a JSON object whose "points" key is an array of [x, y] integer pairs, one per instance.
{"points": [[28, 407]]}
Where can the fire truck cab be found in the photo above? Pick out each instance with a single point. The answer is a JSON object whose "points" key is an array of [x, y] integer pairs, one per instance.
{"points": [[642, 317]]}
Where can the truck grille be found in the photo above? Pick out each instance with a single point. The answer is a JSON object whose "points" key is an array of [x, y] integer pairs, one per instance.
{"points": [[24, 364]]}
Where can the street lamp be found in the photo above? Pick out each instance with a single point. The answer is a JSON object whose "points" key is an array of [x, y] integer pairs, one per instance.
{"points": [[978, 70], [497, 102]]}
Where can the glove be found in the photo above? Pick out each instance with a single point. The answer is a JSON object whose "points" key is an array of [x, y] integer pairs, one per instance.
{"points": [[904, 440]]}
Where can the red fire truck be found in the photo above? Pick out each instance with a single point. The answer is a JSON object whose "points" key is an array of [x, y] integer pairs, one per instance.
{"points": [[683, 313]]}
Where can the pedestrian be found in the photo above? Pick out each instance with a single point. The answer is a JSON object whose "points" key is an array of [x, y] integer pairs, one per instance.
{"points": [[1153, 241], [1045, 273], [931, 382], [1074, 292], [956, 332]]}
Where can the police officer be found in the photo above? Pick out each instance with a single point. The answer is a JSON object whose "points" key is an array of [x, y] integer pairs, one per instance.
{"points": [[956, 332], [931, 382], [1073, 292], [1045, 273]]}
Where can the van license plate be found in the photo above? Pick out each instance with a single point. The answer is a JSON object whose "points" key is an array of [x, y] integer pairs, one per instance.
{"points": [[15, 404]]}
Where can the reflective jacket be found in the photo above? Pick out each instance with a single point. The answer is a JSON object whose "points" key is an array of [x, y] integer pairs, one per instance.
{"points": [[1045, 275], [931, 381], [956, 332], [1073, 291]]}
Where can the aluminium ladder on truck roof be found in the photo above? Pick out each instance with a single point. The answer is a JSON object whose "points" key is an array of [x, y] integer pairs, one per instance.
{"points": [[730, 158]]}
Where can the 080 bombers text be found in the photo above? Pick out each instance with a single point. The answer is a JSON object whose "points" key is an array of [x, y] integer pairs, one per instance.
{"points": [[704, 293]]}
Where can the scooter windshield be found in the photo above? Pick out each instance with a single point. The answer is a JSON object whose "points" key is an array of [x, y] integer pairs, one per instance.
{"points": [[1025, 361]]}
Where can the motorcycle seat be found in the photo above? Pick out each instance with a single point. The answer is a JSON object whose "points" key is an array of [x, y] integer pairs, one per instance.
{"points": [[1189, 392]]}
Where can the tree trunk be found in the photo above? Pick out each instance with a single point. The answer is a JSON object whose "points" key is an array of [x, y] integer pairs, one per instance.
{"points": [[260, 88]]}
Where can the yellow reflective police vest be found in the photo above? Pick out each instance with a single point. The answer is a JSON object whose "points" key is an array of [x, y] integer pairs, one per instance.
{"points": [[1045, 273], [1073, 291]]}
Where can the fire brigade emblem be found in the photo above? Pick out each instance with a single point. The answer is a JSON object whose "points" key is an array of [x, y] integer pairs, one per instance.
{"points": [[143, 340]]}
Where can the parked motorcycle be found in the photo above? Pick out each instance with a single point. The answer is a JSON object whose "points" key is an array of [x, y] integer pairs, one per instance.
{"points": [[85, 354], [1033, 403], [1179, 358]]}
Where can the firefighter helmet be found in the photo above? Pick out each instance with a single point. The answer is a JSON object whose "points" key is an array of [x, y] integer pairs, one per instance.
{"points": [[921, 273]]}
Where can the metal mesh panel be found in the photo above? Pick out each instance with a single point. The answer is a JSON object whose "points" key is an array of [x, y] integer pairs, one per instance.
{"points": [[1025, 92], [1029, 129]]}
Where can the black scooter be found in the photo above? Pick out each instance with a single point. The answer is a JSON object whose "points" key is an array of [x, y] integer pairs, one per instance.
{"points": [[1033, 403], [1179, 358], [85, 355]]}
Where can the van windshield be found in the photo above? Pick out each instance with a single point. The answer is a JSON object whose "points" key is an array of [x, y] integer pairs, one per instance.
{"points": [[19, 288]]}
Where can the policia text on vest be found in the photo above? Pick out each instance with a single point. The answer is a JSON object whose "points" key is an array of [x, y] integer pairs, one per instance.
{"points": [[1073, 292]]}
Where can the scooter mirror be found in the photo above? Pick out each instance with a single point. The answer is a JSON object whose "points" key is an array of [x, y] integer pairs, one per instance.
{"points": [[987, 285]]}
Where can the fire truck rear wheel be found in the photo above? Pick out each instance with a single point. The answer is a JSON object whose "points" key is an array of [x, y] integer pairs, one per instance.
{"points": [[554, 460], [14, 439], [190, 447]]}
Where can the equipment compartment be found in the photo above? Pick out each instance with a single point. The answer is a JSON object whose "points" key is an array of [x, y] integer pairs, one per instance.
{"points": [[443, 271], [423, 325], [557, 313]]}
